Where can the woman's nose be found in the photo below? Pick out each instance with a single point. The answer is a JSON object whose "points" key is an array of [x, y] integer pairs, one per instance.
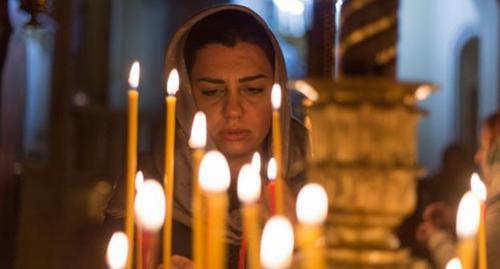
{"points": [[233, 108]]}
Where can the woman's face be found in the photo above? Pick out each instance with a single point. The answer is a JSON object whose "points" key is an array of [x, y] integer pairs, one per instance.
{"points": [[232, 85]]}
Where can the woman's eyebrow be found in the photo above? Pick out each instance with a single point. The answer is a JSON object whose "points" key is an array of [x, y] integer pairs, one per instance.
{"points": [[250, 78], [212, 80]]}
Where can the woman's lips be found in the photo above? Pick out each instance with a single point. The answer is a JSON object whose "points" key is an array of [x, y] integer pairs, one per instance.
{"points": [[234, 134]]}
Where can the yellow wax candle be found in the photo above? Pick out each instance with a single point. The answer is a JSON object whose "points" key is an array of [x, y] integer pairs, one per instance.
{"points": [[467, 225], [479, 190], [276, 102], [249, 188], [214, 179], [133, 98], [277, 243], [312, 209], [168, 178], [116, 254], [197, 142]]}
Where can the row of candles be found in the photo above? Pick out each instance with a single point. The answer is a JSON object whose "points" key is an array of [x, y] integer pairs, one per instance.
{"points": [[149, 204], [211, 179], [470, 228]]}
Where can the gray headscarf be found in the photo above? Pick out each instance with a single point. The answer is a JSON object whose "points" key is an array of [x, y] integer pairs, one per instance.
{"points": [[294, 134]]}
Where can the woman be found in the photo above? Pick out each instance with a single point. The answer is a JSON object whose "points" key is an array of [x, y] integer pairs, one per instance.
{"points": [[228, 60], [441, 243]]}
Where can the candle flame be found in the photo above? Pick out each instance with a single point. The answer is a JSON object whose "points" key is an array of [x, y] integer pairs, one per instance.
{"points": [[312, 204], [477, 186], [173, 82], [256, 163], [248, 184], [139, 180], [276, 96], [271, 169], [198, 138], [214, 174], [454, 264], [468, 216], [133, 78], [150, 205], [117, 252], [277, 243]]}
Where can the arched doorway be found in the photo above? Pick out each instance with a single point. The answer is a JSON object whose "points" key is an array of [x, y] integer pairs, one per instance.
{"points": [[468, 92]]}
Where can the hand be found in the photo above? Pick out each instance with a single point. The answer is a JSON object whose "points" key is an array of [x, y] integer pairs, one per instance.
{"points": [[424, 231], [180, 262], [439, 214]]}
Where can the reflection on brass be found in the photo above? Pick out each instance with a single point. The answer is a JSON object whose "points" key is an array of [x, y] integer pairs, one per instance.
{"points": [[364, 153], [355, 6], [366, 32], [387, 55]]}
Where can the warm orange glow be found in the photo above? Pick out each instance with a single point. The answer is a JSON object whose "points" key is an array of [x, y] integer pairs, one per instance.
{"points": [[214, 174], [423, 92], [312, 204], [477, 186], [116, 254], [173, 82], [139, 180], [198, 138], [276, 96], [248, 184], [150, 205], [468, 216], [133, 78], [277, 243], [271, 169]]}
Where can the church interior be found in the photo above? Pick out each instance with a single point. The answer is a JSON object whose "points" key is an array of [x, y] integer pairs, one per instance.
{"points": [[403, 85]]}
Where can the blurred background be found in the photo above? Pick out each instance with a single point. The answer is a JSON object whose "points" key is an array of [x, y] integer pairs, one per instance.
{"points": [[64, 67]]}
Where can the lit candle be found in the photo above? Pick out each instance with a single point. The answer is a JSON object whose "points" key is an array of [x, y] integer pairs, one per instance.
{"points": [[454, 264], [117, 252], [197, 142], [214, 180], [271, 185], [150, 213], [249, 187], [133, 98], [312, 208], [277, 244], [256, 162], [467, 225], [479, 190], [168, 178], [276, 102], [139, 181]]}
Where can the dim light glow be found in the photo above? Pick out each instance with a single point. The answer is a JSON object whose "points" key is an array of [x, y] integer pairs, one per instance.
{"points": [[454, 264], [423, 92], [117, 252], [277, 243], [312, 204], [306, 89], [294, 7], [256, 162], [468, 216], [271, 169], [198, 138], [139, 180], [276, 96], [214, 174], [248, 184], [150, 205], [173, 82], [133, 78], [477, 186]]}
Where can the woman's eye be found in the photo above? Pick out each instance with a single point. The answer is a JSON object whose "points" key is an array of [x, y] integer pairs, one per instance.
{"points": [[212, 92], [254, 90]]}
